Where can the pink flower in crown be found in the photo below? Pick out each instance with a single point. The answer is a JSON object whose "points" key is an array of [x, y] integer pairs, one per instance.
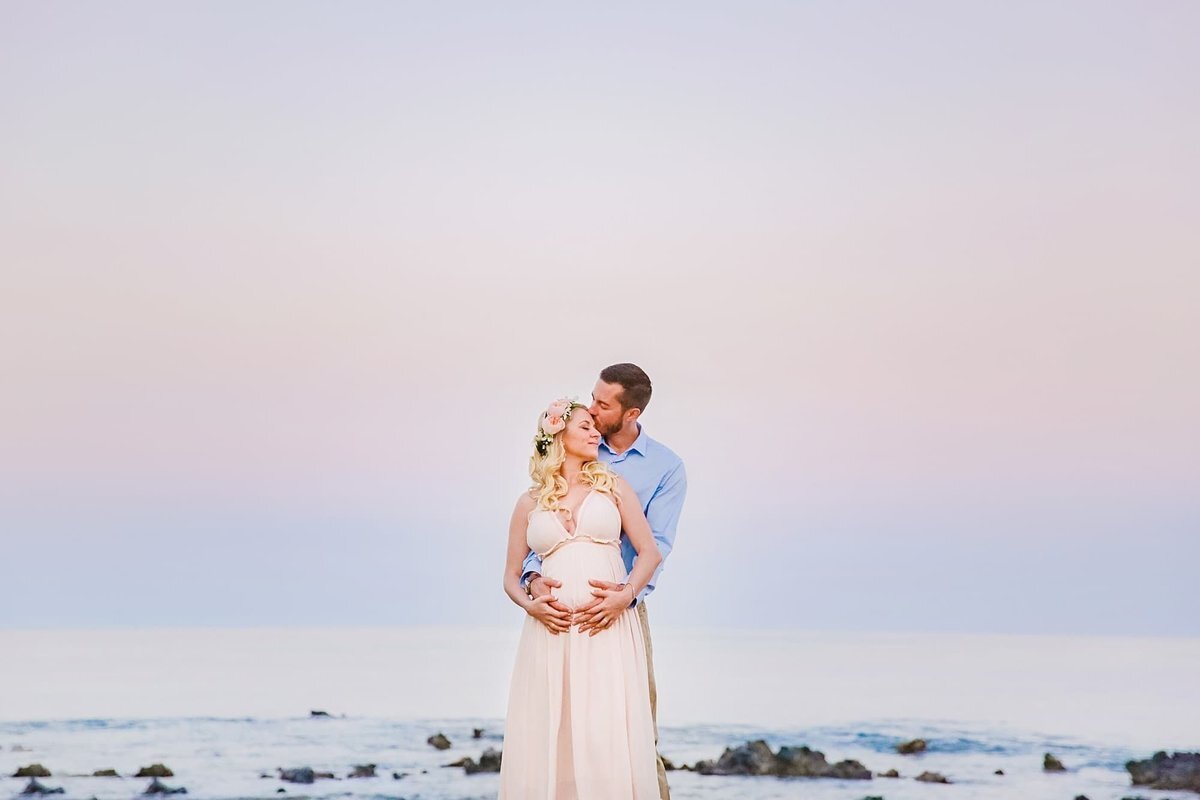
{"points": [[553, 423], [555, 418]]}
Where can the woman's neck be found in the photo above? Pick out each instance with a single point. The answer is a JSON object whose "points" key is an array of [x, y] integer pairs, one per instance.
{"points": [[571, 469]]}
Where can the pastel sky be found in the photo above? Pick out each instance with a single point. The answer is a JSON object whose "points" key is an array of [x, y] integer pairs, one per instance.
{"points": [[284, 285]]}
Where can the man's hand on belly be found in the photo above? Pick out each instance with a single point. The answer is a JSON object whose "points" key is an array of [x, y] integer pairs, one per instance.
{"points": [[602, 611]]}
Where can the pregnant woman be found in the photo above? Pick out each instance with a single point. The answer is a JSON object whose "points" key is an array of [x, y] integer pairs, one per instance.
{"points": [[579, 725]]}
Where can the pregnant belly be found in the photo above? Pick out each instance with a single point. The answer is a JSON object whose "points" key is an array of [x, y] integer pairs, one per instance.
{"points": [[575, 563]]}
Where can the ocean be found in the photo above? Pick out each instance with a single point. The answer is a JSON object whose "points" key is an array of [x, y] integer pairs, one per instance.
{"points": [[224, 707]]}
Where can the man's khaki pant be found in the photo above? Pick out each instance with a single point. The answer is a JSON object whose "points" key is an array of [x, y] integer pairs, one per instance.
{"points": [[664, 791]]}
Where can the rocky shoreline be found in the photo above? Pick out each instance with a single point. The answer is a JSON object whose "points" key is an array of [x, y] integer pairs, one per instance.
{"points": [[1178, 771]]}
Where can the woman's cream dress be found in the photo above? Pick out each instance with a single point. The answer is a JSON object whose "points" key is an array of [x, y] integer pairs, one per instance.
{"points": [[579, 724]]}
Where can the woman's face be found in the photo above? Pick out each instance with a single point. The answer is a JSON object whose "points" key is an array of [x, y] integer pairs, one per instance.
{"points": [[580, 438]]}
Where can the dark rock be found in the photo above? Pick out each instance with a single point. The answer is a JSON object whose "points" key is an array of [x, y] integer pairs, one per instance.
{"points": [[891, 773], [1052, 764], [363, 771], [1081, 797], [105, 773], [667, 765], [297, 775], [32, 771], [158, 787], [752, 758], [477, 733], [398, 775], [998, 772], [911, 746], [439, 741], [849, 769], [488, 762], [932, 777], [280, 790], [319, 775], [1160, 771], [315, 713], [756, 758], [33, 787], [155, 771], [802, 762], [809, 763]]}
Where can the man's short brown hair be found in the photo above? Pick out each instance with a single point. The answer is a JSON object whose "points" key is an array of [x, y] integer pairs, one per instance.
{"points": [[635, 385]]}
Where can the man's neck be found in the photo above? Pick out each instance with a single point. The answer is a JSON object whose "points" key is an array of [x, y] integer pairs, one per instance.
{"points": [[623, 439]]}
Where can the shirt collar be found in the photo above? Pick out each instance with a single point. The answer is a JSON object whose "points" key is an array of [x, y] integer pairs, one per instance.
{"points": [[639, 444]]}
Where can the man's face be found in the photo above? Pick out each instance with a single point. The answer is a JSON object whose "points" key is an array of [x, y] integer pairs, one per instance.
{"points": [[606, 407]]}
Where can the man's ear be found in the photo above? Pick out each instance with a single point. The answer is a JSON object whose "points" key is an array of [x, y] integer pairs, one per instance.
{"points": [[632, 414]]}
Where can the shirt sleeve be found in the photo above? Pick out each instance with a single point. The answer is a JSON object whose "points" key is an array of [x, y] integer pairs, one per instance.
{"points": [[662, 513], [533, 564]]}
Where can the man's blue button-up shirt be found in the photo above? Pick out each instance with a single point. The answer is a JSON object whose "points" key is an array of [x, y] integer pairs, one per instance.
{"points": [[657, 476]]}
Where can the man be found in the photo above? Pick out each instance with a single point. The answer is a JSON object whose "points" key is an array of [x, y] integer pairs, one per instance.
{"points": [[656, 474]]}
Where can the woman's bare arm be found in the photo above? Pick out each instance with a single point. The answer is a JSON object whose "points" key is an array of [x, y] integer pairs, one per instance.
{"points": [[555, 620]]}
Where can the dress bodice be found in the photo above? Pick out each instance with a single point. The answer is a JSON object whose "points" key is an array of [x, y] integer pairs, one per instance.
{"points": [[598, 521]]}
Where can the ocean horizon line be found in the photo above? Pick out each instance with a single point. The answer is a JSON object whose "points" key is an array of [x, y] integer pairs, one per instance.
{"points": [[659, 627]]}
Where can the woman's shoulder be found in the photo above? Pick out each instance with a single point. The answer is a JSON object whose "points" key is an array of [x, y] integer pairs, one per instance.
{"points": [[621, 486], [526, 502]]}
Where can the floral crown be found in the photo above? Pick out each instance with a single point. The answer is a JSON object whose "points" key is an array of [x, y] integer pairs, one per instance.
{"points": [[553, 420]]}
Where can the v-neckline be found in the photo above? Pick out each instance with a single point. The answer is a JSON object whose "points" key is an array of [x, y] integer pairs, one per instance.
{"points": [[575, 515]]}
